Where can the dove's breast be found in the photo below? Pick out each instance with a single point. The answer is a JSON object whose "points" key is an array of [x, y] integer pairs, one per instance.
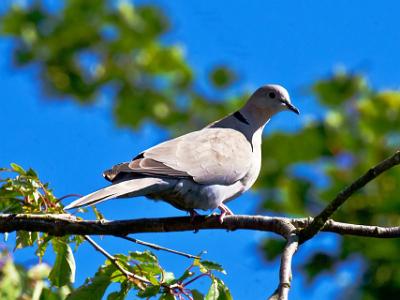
{"points": [[250, 178]]}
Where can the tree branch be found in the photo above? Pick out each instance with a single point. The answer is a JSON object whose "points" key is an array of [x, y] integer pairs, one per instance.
{"points": [[115, 262], [285, 271], [319, 221], [59, 225], [157, 247]]}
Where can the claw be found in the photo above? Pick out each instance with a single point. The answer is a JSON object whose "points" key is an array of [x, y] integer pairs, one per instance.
{"points": [[225, 211], [193, 214]]}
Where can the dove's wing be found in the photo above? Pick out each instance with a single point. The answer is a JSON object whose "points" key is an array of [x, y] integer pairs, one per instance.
{"points": [[209, 156]]}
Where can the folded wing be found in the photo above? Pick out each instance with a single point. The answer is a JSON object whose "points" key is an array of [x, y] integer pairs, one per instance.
{"points": [[209, 156]]}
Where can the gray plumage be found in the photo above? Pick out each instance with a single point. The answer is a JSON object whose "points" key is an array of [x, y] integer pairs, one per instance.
{"points": [[202, 169]]}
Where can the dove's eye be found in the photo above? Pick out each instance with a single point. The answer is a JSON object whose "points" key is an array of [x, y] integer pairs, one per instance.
{"points": [[272, 95]]}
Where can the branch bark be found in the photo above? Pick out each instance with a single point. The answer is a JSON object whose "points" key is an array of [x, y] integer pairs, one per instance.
{"points": [[59, 225], [285, 271], [319, 221], [114, 261]]}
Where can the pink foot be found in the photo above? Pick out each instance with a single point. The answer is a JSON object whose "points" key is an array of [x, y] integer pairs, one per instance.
{"points": [[225, 211]]}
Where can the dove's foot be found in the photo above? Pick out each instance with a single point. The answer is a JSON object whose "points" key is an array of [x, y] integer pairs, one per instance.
{"points": [[225, 211], [193, 214]]}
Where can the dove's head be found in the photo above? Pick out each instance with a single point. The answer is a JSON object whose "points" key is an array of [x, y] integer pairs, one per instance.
{"points": [[271, 99]]}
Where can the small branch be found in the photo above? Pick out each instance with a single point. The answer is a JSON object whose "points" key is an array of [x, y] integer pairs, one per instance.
{"points": [[319, 221], [285, 270], [157, 247], [114, 261], [68, 196], [353, 229]]}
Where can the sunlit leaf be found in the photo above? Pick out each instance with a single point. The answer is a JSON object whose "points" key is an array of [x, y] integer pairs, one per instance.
{"points": [[210, 265], [18, 168], [63, 271], [218, 291]]}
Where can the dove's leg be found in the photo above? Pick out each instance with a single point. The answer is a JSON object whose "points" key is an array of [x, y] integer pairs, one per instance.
{"points": [[225, 211], [193, 214]]}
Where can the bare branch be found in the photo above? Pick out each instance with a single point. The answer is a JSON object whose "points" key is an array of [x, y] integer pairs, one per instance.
{"points": [[353, 229], [157, 247], [319, 221], [286, 227], [114, 261], [285, 271], [59, 225]]}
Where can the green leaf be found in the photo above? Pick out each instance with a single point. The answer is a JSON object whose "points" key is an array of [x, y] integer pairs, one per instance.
{"points": [[25, 239], [197, 295], [273, 248], [115, 296], [213, 292], [63, 271], [98, 214], [10, 281], [317, 263], [222, 77], [218, 291], [18, 169], [166, 296], [210, 265], [32, 173], [78, 239], [122, 293], [43, 243], [185, 275], [150, 291], [168, 277], [341, 87], [94, 290], [145, 256]]}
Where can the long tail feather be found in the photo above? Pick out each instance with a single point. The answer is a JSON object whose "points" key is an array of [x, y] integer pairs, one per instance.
{"points": [[133, 187]]}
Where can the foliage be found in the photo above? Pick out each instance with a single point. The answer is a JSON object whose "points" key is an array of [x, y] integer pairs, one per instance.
{"points": [[17, 282], [90, 47], [25, 193], [86, 48], [359, 129]]}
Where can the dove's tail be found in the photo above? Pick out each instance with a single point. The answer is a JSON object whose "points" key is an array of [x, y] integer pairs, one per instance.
{"points": [[128, 188]]}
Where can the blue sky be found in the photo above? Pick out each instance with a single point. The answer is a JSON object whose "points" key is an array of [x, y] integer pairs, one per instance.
{"points": [[288, 42]]}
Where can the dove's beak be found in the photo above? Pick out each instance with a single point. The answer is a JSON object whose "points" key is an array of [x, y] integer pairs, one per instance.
{"points": [[291, 107]]}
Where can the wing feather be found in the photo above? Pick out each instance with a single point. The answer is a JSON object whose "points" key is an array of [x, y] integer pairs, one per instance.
{"points": [[208, 156]]}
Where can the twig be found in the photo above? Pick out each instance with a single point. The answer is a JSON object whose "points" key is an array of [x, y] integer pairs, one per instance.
{"points": [[353, 229], [157, 247], [196, 278], [319, 221], [68, 196], [114, 261], [285, 270]]}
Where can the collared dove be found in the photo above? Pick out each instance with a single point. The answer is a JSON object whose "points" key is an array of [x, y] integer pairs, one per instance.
{"points": [[203, 169]]}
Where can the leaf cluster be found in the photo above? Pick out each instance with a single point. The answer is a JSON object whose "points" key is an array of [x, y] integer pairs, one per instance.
{"points": [[25, 193]]}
